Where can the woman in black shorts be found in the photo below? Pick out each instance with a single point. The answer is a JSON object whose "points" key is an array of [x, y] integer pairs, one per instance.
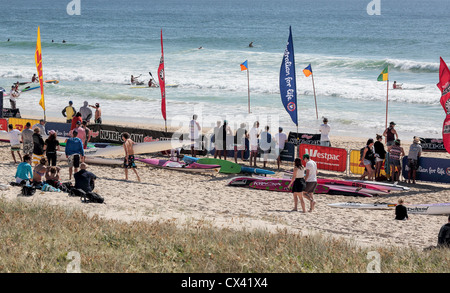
{"points": [[298, 183]]}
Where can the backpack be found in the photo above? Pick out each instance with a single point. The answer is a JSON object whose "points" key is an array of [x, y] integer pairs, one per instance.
{"points": [[87, 197], [28, 190]]}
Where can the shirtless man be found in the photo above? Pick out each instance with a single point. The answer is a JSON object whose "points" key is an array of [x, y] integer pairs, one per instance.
{"points": [[97, 114], [128, 161]]}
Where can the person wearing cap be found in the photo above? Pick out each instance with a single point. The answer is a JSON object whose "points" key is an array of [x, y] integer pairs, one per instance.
{"points": [[396, 153], [41, 126], [280, 141], [311, 180], [97, 114], [415, 151], [324, 131], [74, 152], [27, 139], [69, 112], [391, 134]]}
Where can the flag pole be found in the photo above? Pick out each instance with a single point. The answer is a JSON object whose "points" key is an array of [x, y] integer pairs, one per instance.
{"points": [[387, 101], [248, 85], [314, 89]]}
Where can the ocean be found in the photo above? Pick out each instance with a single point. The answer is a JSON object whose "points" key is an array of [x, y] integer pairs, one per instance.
{"points": [[346, 46]]}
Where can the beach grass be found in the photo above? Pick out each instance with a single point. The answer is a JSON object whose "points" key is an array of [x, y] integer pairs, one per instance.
{"points": [[40, 238]]}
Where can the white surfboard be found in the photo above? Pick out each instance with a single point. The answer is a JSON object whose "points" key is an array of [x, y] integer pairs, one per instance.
{"points": [[359, 205], [61, 156], [429, 209], [139, 148]]}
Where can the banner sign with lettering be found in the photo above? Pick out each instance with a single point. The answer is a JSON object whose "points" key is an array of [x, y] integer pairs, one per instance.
{"points": [[308, 138], [432, 144], [430, 169], [326, 158], [113, 134]]}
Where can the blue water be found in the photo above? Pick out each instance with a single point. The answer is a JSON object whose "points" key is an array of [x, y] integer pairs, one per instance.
{"points": [[347, 48]]}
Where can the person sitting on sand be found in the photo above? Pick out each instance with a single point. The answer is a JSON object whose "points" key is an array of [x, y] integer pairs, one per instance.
{"points": [[39, 171], [24, 170], [298, 184], [52, 176], [128, 161], [401, 213], [444, 235], [84, 179]]}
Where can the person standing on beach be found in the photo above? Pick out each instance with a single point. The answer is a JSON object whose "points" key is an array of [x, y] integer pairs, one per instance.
{"points": [[41, 126], [311, 180], [129, 155], [69, 112], [324, 132], [27, 139], [86, 113], [368, 158], [380, 154], [51, 146], [265, 143], [97, 114], [74, 152], [415, 151], [298, 184], [216, 140], [280, 140], [87, 134], [253, 136], [224, 132], [391, 134], [13, 95], [395, 154], [14, 139], [194, 135], [38, 146], [75, 120], [239, 140]]}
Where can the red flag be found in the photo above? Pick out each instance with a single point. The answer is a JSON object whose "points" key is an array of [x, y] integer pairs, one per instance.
{"points": [[161, 78], [444, 77], [444, 86]]}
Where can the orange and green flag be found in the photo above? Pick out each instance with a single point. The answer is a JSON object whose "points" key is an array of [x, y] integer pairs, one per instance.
{"points": [[384, 75], [38, 59]]}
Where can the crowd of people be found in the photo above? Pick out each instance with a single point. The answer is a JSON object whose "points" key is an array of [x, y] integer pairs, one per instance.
{"points": [[374, 154]]}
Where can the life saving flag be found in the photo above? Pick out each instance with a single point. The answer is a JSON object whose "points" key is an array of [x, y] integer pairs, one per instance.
{"points": [[288, 88], [244, 66], [384, 75], [38, 59], [307, 71], [444, 86], [161, 77]]}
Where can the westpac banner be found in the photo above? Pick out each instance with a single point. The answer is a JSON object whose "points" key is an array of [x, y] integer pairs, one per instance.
{"points": [[326, 158]]}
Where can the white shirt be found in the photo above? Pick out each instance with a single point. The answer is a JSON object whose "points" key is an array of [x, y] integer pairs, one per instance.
{"points": [[253, 136], [324, 130], [14, 136], [280, 138], [312, 167], [195, 128]]}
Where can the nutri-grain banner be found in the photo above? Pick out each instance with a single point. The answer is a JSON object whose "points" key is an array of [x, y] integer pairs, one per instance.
{"points": [[326, 158], [113, 134], [299, 138]]}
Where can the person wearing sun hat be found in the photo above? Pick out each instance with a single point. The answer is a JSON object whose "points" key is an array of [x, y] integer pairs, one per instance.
{"points": [[415, 150]]}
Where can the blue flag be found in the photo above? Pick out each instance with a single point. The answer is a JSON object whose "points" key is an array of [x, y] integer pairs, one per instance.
{"points": [[288, 89]]}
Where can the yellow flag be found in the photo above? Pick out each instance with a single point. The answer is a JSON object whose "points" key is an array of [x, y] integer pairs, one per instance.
{"points": [[38, 59]]}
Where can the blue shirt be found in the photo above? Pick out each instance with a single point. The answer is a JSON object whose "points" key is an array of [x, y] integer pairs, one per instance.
{"points": [[74, 146], [24, 171]]}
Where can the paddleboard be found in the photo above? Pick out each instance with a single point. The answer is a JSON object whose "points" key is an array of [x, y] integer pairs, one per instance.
{"points": [[146, 87], [27, 89], [61, 156], [256, 171], [388, 185], [429, 209], [193, 167], [139, 148], [225, 166], [54, 81], [359, 205], [349, 183]]}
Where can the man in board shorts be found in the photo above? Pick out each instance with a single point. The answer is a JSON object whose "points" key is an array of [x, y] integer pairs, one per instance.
{"points": [[311, 179], [128, 161]]}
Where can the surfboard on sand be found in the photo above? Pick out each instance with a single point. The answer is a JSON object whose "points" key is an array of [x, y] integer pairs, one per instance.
{"points": [[359, 205], [139, 148], [429, 209], [228, 166], [179, 166]]}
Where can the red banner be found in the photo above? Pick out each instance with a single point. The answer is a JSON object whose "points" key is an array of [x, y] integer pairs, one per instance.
{"points": [[4, 124], [326, 158], [161, 77]]}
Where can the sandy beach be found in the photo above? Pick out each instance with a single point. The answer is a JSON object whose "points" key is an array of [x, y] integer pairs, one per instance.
{"points": [[181, 196]]}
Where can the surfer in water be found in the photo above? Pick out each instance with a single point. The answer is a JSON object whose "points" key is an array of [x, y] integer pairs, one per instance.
{"points": [[128, 161], [397, 86]]}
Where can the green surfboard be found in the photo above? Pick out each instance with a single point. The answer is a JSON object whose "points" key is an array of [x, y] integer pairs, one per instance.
{"points": [[226, 166]]}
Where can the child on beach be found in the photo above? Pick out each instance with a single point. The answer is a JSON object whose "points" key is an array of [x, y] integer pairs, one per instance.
{"points": [[128, 162], [401, 213]]}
